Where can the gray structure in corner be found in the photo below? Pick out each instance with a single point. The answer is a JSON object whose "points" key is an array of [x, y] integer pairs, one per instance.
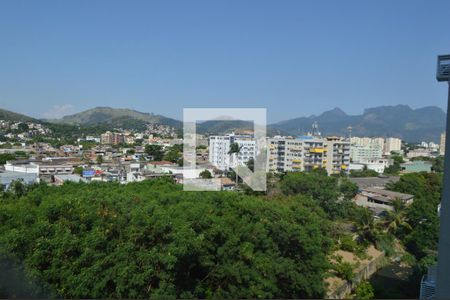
{"points": [[443, 271]]}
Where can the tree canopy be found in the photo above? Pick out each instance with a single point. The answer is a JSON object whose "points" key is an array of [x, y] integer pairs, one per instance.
{"points": [[156, 151], [329, 192], [151, 239], [422, 214]]}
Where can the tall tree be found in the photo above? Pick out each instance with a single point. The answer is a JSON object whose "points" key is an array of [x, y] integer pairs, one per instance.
{"points": [[156, 151], [366, 226], [396, 218], [234, 151]]}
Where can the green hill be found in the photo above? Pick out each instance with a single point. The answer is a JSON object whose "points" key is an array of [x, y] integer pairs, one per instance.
{"points": [[116, 117], [12, 116]]}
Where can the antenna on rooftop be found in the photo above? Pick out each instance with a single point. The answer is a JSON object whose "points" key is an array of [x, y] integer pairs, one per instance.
{"points": [[350, 128], [315, 129]]}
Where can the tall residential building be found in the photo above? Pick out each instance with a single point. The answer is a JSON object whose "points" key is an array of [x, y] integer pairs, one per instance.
{"points": [[106, 138], [360, 153], [392, 144], [129, 139], [118, 138], [110, 138], [366, 141], [442, 144], [308, 153], [219, 146]]}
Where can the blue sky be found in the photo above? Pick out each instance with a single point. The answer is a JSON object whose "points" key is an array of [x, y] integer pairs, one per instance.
{"points": [[295, 58]]}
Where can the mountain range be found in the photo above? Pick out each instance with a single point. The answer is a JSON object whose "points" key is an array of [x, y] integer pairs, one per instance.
{"points": [[411, 125], [116, 117]]}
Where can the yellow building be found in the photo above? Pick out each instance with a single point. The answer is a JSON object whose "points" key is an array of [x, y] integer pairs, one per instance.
{"points": [[308, 153]]}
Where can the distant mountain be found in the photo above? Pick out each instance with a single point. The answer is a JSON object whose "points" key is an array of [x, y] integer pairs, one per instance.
{"points": [[132, 119], [411, 125], [15, 117], [222, 127], [117, 117]]}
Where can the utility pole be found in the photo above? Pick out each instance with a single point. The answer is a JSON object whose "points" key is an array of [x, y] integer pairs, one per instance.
{"points": [[443, 268]]}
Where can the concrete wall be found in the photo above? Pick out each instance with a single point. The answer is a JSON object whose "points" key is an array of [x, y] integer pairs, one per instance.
{"points": [[363, 272]]}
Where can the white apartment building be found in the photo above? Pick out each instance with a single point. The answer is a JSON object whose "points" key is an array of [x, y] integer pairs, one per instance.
{"points": [[366, 141], [442, 144], [358, 153], [308, 153], [392, 144], [433, 147], [219, 146]]}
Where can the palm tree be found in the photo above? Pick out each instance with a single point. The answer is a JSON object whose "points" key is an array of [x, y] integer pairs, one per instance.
{"points": [[366, 226], [396, 218], [233, 152]]}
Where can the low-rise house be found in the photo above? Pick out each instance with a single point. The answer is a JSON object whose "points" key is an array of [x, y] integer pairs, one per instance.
{"points": [[190, 173], [69, 149], [160, 163], [145, 175], [376, 164], [373, 182], [52, 168], [380, 198], [227, 184], [202, 155]]}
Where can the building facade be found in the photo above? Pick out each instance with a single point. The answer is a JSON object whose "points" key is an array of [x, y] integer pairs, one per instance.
{"points": [[219, 147], [392, 144], [359, 153], [308, 153], [376, 164], [366, 141], [111, 138]]}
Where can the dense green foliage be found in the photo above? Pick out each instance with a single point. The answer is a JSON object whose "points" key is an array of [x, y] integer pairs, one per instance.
{"points": [[331, 193], [205, 174], [4, 157], [174, 154], [364, 290], [422, 214], [151, 239], [395, 168], [363, 173], [417, 227], [156, 151]]}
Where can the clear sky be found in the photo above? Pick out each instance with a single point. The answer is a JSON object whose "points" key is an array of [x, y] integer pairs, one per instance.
{"points": [[295, 58]]}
